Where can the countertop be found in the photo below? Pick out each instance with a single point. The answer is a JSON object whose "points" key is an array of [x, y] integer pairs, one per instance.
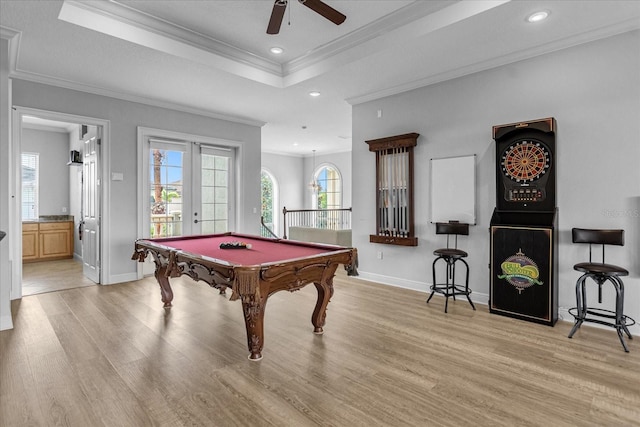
{"points": [[50, 218]]}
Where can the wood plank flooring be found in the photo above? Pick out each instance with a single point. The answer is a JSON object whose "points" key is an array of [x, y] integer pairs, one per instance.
{"points": [[50, 276], [112, 356]]}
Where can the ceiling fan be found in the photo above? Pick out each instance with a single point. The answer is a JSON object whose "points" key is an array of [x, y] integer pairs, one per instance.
{"points": [[317, 6]]}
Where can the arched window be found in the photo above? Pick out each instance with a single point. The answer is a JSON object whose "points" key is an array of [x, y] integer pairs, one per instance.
{"points": [[328, 193], [269, 205]]}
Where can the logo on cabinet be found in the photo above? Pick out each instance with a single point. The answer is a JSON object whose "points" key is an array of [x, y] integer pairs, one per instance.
{"points": [[520, 271]]}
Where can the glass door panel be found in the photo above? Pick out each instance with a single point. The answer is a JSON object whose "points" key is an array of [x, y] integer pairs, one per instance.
{"points": [[167, 163], [215, 189]]}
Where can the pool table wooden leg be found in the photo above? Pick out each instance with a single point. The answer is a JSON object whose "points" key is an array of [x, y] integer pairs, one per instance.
{"points": [[253, 308], [325, 292], [165, 287]]}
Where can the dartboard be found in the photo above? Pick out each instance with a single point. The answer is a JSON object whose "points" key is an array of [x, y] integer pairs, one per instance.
{"points": [[525, 161]]}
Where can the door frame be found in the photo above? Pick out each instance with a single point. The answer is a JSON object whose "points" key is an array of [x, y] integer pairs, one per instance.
{"points": [[143, 170], [15, 214]]}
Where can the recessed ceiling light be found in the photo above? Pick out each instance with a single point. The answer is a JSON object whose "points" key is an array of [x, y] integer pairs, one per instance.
{"points": [[314, 93], [538, 16], [276, 50]]}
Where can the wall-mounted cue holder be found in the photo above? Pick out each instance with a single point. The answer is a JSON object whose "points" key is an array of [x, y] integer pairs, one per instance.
{"points": [[394, 190]]}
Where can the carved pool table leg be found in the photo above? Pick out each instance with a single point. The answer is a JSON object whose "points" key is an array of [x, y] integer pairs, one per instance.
{"points": [[165, 287], [253, 308], [325, 292]]}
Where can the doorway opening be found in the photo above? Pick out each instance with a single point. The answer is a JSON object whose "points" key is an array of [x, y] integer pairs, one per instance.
{"points": [[61, 226]]}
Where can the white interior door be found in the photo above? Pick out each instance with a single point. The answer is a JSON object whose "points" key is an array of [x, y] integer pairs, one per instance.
{"points": [[90, 210]]}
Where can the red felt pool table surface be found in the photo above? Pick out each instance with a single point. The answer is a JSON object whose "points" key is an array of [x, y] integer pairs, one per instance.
{"points": [[261, 252]]}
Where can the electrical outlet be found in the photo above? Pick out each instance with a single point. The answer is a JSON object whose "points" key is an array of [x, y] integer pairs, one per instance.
{"points": [[379, 255], [64, 210]]}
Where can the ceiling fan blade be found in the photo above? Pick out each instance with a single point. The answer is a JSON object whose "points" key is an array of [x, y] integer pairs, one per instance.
{"points": [[325, 10], [277, 14]]}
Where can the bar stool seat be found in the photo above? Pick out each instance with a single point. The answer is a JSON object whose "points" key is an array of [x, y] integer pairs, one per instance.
{"points": [[451, 256], [600, 273], [600, 268], [449, 252]]}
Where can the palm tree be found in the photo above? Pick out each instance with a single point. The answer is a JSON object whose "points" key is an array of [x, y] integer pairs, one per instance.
{"points": [[158, 206]]}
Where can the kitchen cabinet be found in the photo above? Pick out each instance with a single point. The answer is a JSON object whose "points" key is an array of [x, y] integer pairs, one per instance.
{"points": [[45, 241]]}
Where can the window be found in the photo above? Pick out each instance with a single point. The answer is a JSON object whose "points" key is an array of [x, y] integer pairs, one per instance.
{"points": [[269, 202], [329, 188], [30, 163]]}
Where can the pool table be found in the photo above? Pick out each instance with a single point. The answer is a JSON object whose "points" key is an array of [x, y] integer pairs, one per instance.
{"points": [[255, 272]]}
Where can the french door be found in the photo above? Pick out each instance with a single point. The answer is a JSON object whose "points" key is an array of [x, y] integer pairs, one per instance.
{"points": [[189, 188]]}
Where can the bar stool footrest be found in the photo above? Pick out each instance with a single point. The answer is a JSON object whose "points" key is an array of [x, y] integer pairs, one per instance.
{"points": [[450, 290], [599, 312]]}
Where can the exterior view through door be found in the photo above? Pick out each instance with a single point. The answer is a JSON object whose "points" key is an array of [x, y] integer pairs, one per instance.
{"points": [[189, 188]]}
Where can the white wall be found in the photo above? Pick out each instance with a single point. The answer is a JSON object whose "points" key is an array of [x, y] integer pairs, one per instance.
{"points": [[53, 148], [593, 91], [124, 118], [287, 171], [5, 182]]}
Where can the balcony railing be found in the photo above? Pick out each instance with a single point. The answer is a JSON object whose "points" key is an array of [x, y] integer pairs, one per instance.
{"points": [[329, 219]]}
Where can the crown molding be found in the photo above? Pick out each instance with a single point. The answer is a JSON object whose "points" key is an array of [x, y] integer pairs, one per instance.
{"points": [[376, 29], [521, 55], [14, 37], [411, 22], [66, 84], [123, 22], [416, 19]]}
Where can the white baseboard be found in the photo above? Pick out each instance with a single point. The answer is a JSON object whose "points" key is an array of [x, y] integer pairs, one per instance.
{"points": [[476, 297]]}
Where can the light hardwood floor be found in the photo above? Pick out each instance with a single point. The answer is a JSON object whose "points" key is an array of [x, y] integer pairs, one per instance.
{"points": [[112, 356], [50, 276]]}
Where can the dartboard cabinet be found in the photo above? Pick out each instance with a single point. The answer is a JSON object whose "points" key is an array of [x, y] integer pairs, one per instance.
{"points": [[523, 225]]}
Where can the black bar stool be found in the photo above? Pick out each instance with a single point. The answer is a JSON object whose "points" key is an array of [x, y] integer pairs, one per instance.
{"points": [[600, 273], [451, 256]]}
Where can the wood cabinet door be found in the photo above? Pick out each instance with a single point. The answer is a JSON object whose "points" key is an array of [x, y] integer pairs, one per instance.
{"points": [[56, 240], [30, 242]]}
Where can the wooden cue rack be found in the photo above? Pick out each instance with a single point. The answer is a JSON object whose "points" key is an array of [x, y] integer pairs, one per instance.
{"points": [[394, 190]]}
